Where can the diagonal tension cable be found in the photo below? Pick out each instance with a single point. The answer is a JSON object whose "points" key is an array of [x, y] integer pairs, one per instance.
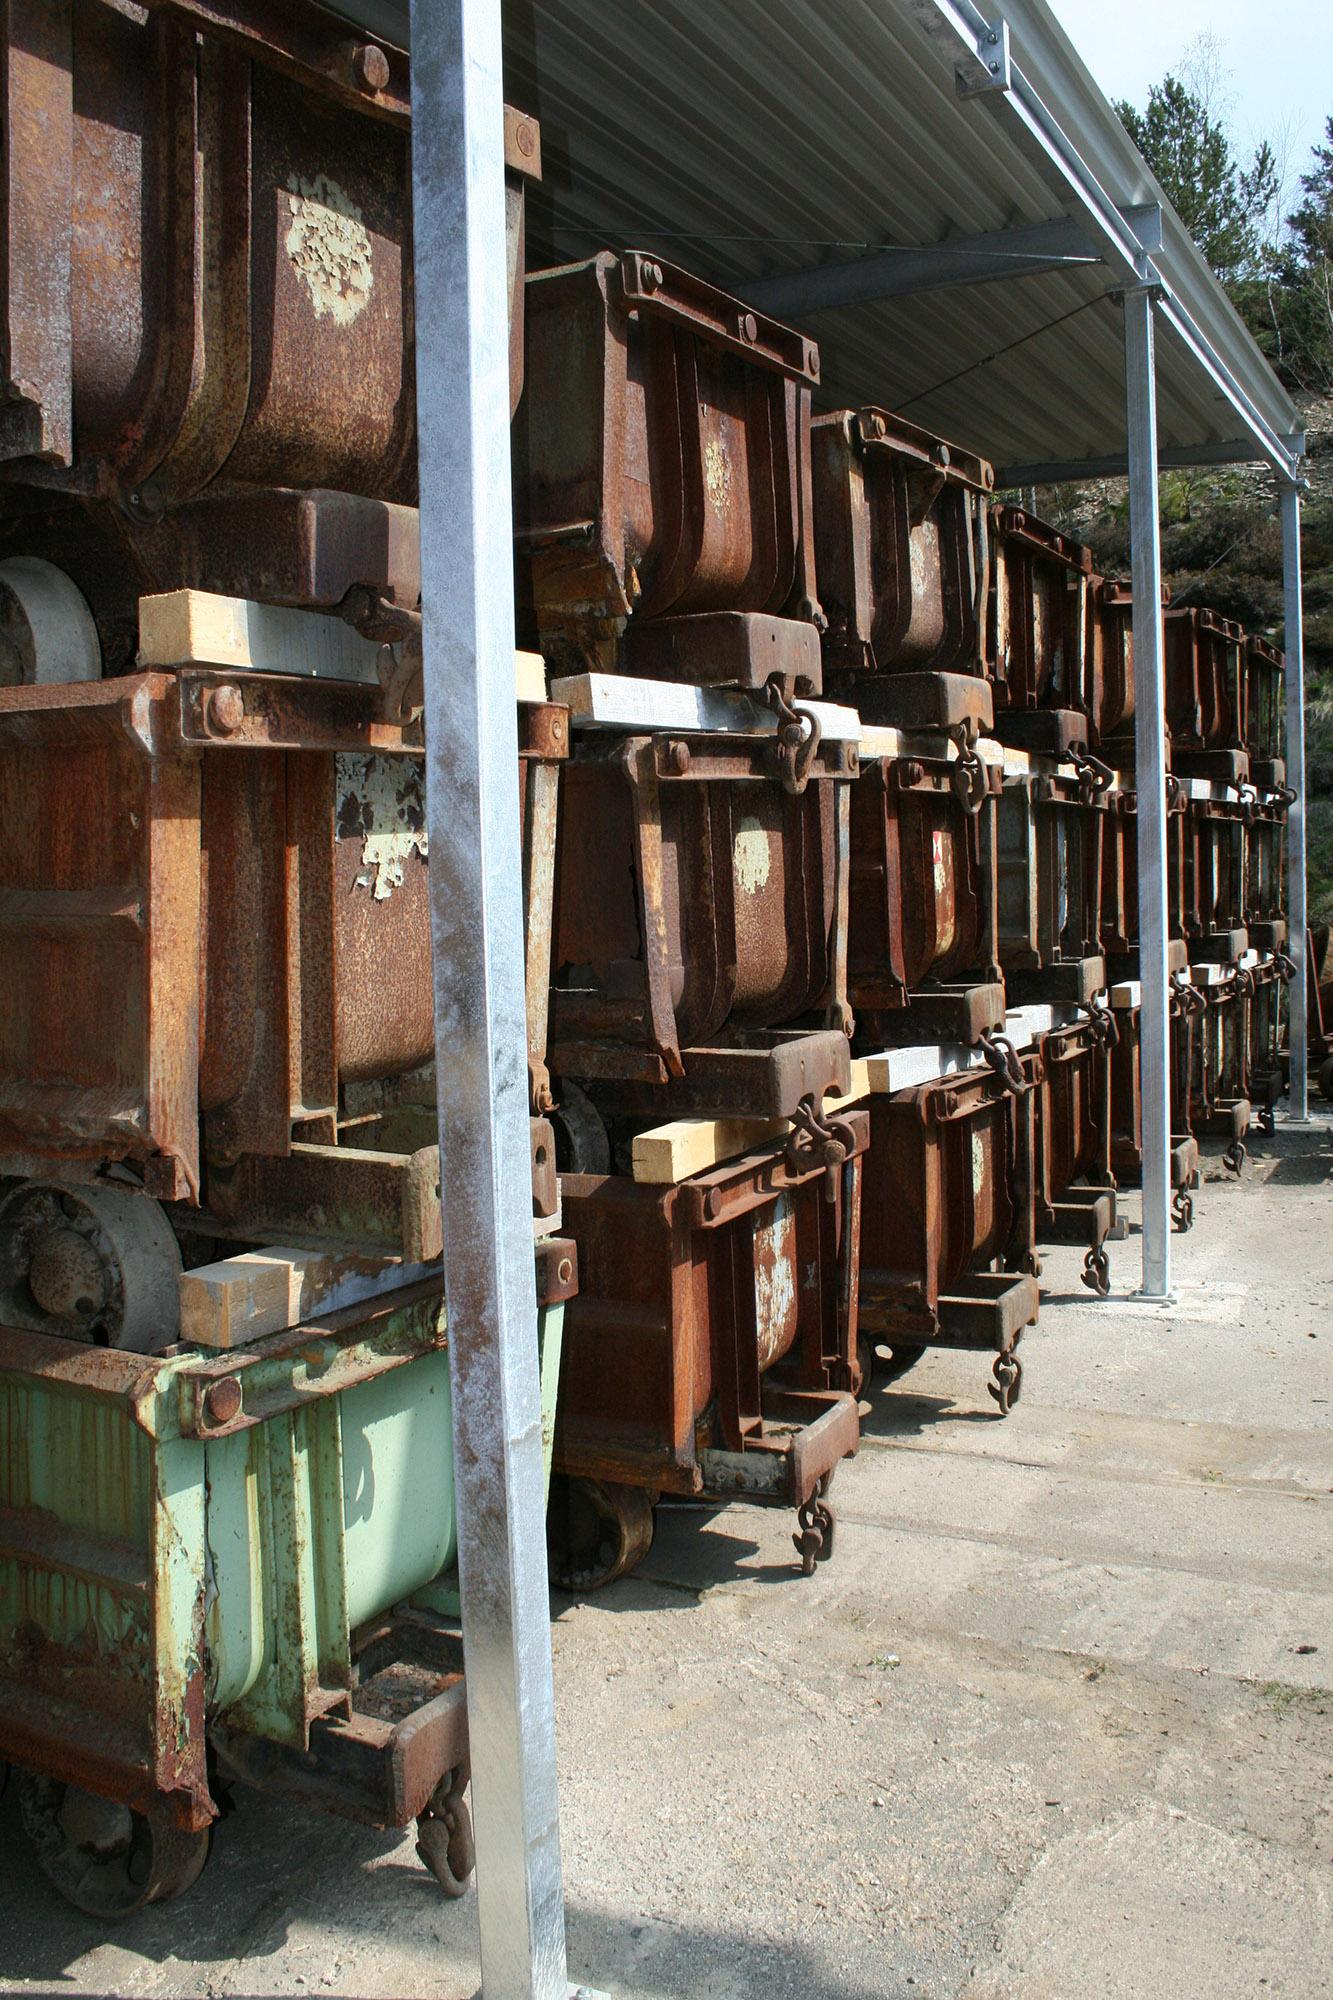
{"points": [[999, 352]]}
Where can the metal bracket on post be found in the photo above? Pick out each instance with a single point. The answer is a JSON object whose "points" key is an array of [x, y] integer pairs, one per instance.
{"points": [[1150, 780], [1298, 1081], [980, 47], [990, 69], [475, 887]]}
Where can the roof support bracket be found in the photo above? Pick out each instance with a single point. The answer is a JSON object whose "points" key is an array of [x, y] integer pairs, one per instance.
{"points": [[990, 69]]}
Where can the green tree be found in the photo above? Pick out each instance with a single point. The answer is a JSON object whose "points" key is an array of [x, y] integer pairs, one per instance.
{"points": [[1301, 302], [1222, 201]]}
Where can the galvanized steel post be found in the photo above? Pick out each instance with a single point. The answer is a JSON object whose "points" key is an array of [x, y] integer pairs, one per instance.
{"points": [[462, 360], [1298, 1083], [1150, 784]]}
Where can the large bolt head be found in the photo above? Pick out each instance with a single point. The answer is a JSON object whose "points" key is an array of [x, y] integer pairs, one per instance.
{"points": [[222, 1400], [370, 66], [225, 709]]}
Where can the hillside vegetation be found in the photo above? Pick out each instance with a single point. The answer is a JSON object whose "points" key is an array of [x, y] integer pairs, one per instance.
{"points": [[1222, 546]]}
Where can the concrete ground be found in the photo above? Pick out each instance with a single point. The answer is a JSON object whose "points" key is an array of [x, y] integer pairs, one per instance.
{"points": [[1055, 1721]]}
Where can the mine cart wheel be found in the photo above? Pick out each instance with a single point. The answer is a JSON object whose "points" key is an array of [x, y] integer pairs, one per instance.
{"points": [[1235, 1157], [1008, 1384], [102, 1857], [596, 1531], [1182, 1207], [444, 1835], [1326, 1078], [1097, 1272], [582, 1144]]}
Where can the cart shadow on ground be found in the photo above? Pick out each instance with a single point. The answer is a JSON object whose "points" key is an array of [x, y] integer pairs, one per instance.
{"points": [[348, 1880]]}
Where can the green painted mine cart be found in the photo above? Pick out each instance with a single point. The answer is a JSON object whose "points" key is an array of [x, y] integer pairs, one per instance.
{"points": [[207, 1567]]}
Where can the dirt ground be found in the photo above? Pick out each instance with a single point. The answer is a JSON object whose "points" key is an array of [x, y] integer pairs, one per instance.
{"points": [[1055, 1722]]}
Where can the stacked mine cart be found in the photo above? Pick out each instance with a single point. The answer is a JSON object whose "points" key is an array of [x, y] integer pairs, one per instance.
{"points": [[829, 869]]}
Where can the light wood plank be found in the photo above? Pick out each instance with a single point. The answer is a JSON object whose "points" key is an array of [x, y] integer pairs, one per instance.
{"points": [[673, 1152], [530, 673], [199, 628], [624, 701], [244, 1298]]}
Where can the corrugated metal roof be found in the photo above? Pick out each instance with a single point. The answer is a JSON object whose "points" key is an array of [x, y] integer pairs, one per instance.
{"points": [[744, 138]]}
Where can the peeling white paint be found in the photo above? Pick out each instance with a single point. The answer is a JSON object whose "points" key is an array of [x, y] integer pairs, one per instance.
{"points": [[717, 474], [775, 1281], [379, 801], [329, 247], [752, 856], [942, 862]]}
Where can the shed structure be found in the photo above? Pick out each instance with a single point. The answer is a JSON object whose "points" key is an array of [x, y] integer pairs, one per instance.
{"points": [[943, 197]]}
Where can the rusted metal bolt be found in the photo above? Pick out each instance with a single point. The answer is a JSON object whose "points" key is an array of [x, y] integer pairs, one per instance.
{"points": [[944, 457], [147, 502], [878, 427], [678, 758], [912, 773], [812, 360], [370, 67], [525, 138], [222, 1400], [713, 1203], [224, 709], [748, 327], [650, 276], [557, 729], [564, 1270]]}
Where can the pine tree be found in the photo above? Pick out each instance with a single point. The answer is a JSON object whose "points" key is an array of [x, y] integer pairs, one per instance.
{"points": [[1221, 201], [1306, 275]]}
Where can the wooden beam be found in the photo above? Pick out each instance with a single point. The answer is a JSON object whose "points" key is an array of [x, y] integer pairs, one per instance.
{"points": [[623, 701], [200, 628], [670, 1153], [240, 1299]]}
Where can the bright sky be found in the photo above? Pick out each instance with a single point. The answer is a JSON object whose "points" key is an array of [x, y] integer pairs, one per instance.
{"points": [[1279, 55]]}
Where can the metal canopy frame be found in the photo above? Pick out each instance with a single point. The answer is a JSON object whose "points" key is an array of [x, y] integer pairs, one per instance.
{"points": [[1161, 293], [1092, 153]]}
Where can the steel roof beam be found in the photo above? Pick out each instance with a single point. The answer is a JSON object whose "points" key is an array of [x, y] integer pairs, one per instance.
{"points": [[1058, 471], [1272, 445], [1128, 255], [1025, 251]]}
